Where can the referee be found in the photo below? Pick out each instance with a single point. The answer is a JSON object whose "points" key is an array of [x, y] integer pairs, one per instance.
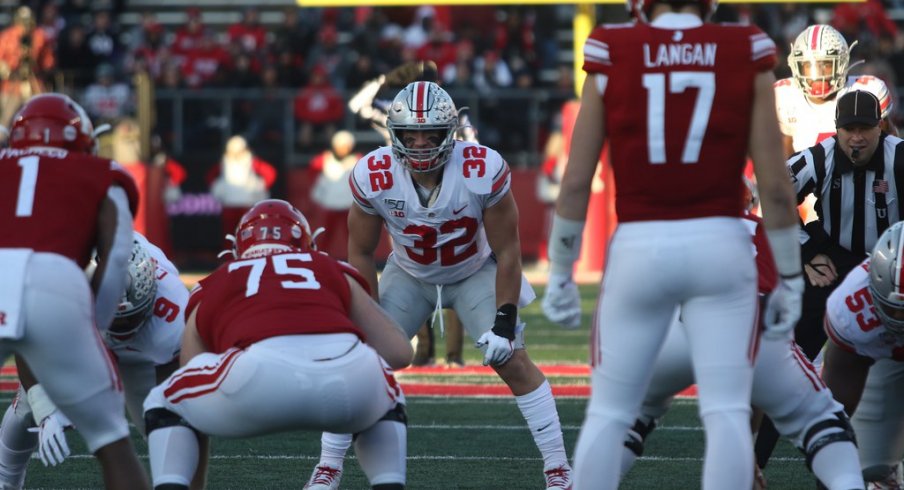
{"points": [[856, 177]]}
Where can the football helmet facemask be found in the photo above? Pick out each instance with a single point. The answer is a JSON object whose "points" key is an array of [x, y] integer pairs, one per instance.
{"points": [[53, 120], [422, 106], [272, 226], [819, 61], [640, 9], [137, 301], [886, 284]]}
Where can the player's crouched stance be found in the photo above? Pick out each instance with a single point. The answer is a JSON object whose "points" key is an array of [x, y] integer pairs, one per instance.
{"points": [[286, 324]]}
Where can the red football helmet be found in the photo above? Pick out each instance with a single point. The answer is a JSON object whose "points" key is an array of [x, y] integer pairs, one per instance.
{"points": [[53, 120], [272, 226], [640, 9]]}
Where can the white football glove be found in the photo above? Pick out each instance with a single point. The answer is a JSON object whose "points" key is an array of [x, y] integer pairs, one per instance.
{"points": [[498, 349], [562, 301], [783, 308], [52, 446]]}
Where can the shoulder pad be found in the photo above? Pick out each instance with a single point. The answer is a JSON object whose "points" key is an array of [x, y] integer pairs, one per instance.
{"points": [[481, 166], [373, 173]]}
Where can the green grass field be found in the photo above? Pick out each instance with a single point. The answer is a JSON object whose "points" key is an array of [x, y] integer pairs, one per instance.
{"points": [[458, 442]]}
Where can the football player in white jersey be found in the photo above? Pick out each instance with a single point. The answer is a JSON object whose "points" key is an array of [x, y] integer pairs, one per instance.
{"points": [[144, 339], [865, 324], [454, 225], [805, 103]]}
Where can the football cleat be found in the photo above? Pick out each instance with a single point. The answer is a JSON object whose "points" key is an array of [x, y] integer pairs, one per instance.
{"points": [[558, 477], [324, 477]]}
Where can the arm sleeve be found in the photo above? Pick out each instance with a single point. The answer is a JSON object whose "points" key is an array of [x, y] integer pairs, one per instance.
{"points": [[113, 283]]}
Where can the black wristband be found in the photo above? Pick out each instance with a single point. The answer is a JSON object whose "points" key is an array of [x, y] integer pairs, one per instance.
{"points": [[506, 316]]}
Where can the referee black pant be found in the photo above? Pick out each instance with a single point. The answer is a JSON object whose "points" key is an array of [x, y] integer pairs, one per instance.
{"points": [[809, 334]]}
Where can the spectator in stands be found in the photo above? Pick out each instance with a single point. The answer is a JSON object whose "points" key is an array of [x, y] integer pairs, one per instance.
{"points": [[248, 34], [103, 38], [265, 123], [240, 180], [242, 74], [439, 49], [51, 22], [330, 171], [418, 33], [26, 58], [189, 36], [491, 72], [293, 36], [107, 99], [206, 64], [152, 53], [330, 56], [76, 60], [865, 21], [319, 107], [361, 71]]}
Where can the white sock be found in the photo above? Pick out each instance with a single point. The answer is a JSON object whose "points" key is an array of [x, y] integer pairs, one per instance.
{"points": [[381, 452], [837, 466], [174, 455], [333, 448], [16, 444], [539, 410]]}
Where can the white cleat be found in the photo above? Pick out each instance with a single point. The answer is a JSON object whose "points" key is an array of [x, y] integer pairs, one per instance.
{"points": [[558, 477], [324, 477]]}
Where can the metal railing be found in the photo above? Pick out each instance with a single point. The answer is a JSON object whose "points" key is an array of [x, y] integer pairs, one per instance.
{"points": [[512, 121]]}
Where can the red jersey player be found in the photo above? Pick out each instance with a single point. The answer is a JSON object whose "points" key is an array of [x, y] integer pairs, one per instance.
{"points": [[58, 202], [681, 100], [282, 338]]}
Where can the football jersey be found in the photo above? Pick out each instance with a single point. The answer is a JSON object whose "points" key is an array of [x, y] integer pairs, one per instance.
{"points": [[50, 198], [807, 123], [678, 98], [445, 242], [292, 293], [852, 322], [159, 340]]}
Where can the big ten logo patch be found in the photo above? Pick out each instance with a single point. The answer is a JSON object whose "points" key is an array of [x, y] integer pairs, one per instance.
{"points": [[396, 207], [2, 318]]}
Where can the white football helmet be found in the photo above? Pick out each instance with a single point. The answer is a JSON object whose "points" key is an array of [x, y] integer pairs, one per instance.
{"points": [[886, 284], [819, 60], [141, 289], [422, 106]]}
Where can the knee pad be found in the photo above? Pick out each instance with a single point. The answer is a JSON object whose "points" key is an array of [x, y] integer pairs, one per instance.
{"points": [[159, 418], [637, 435], [813, 444]]}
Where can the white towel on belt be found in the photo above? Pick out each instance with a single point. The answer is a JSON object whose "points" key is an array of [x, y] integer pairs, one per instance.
{"points": [[12, 283]]}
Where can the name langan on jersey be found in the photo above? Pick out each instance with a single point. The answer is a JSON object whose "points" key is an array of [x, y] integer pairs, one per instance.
{"points": [[700, 54]]}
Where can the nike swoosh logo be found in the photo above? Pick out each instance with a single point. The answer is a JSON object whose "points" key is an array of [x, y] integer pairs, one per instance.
{"points": [[544, 427], [456, 211]]}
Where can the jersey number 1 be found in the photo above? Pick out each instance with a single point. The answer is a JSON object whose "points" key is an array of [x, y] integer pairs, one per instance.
{"points": [[26, 197], [679, 81]]}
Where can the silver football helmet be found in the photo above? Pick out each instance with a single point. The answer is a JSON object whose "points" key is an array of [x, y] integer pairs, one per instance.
{"points": [[422, 106], [886, 284], [819, 61], [141, 288]]}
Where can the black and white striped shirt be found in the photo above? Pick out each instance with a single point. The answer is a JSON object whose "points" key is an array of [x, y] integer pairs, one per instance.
{"points": [[854, 205]]}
